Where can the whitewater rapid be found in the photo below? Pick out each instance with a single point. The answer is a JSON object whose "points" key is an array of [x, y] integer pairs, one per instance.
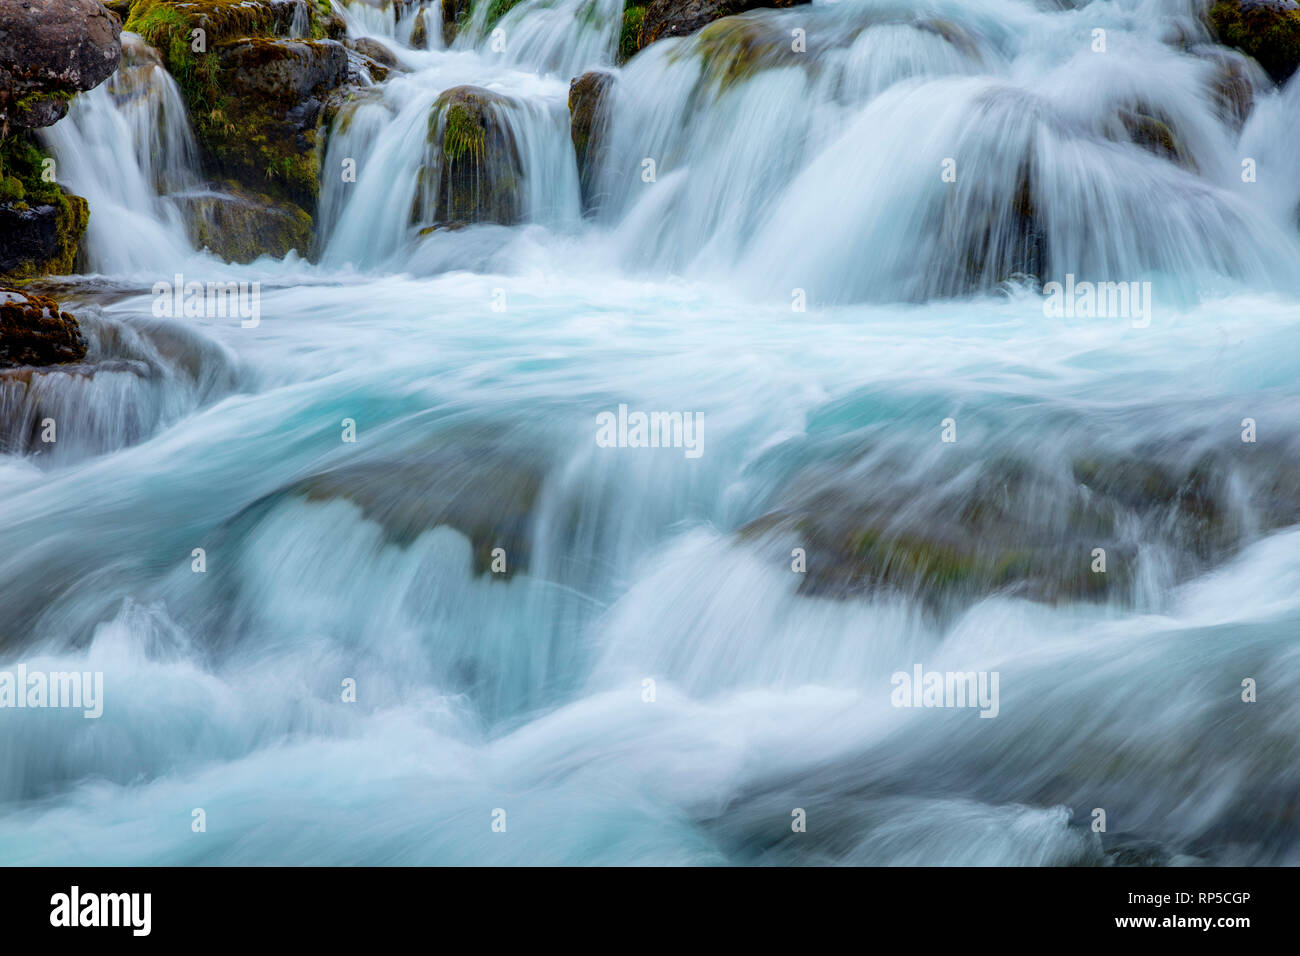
{"points": [[327, 561]]}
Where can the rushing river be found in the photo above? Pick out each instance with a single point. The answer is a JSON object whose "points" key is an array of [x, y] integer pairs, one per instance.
{"points": [[614, 646]]}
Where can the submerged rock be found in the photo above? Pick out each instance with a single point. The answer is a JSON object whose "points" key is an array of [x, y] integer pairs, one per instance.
{"points": [[481, 484], [588, 117], [34, 332], [473, 169], [1015, 526], [239, 227], [1268, 30], [1149, 129]]}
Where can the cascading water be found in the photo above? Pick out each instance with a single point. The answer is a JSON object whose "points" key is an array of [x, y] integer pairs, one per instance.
{"points": [[127, 147], [619, 646]]}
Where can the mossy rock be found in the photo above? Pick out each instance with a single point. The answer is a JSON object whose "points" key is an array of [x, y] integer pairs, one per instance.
{"points": [[255, 97], [1268, 30], [455, 14], [41, 225], [240, 227], [34, 332], [473, 481], [675, 18], [736, 48], [1021, 528], [588, 119], [629, 36], [1148, 128], [473, 169]]}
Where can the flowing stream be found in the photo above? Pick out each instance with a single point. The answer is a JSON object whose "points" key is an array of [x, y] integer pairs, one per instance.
{"points": [[649, 680]]}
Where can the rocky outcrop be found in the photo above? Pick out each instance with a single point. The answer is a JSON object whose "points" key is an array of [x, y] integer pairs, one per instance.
{"points": [[1268, 30], [50, 50], [34, 332], [240, 227], [676, 18], [473, 170], [256, 96], [42, 238], [588, 116]]}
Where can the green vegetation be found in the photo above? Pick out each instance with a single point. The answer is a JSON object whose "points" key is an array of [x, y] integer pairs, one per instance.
{"points": [[1270, 32], [462, 134], [629, 38]]}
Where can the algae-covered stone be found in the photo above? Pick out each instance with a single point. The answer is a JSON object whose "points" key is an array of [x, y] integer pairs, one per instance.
{"points": [[675, 18], [588, 119], [41, 225], [473, 169], [240, 227], [1268, 30], [1020, 527], [255, 93], [34, 332]]}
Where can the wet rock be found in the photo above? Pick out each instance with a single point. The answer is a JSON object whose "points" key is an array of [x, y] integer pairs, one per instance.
{"points": [[283, 70], [1232, 87], [675, 18], [374, 50], [1146, 128], [473, 170], [41, 226], [1139, 853], [588, 118], [256, 95], [1268, 30], [240, 227], [1014, 526], [420, 30], [34, 332], [454, 15], [49, 50], [474, 481]]}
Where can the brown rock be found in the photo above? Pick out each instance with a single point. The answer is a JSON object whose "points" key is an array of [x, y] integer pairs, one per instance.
{"points": [[34, 332]]}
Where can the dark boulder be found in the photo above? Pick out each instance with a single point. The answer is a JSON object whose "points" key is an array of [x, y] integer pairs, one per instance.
{"points": [[49, 50], [588, 118], [1268, 30]]}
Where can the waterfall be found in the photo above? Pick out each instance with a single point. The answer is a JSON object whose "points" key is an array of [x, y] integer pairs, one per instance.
{"points": [[126, 146], [403, 538]]}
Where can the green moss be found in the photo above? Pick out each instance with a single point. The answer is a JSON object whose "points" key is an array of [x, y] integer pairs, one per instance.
{"points": [[734, 49], [462, 134], [21, 166], [21, 184], [1269, 33], [629, 39], [498, 9], [11, 189]]}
